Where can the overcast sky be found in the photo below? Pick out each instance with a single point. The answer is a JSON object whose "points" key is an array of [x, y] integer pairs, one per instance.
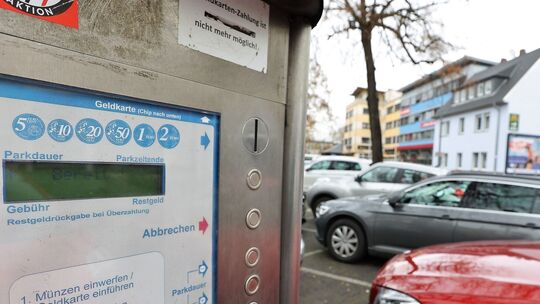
{"points": [[487, 29]]}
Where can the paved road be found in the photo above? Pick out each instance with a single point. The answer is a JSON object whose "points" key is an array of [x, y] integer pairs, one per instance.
{"points": [[326, 281]]}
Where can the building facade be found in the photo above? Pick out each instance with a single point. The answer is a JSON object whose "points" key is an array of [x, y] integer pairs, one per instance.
{"points": [[492, 106], [390, 117], [422, 99], [357, 135]]}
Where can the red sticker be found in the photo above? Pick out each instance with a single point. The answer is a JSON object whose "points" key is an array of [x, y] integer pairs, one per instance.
{"points": [[65, 12]]}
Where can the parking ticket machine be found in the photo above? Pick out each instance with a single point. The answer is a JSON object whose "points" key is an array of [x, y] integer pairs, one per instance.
{"points": [[150, 150]]}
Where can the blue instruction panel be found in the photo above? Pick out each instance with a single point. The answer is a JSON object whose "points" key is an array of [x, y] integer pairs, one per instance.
{"points": [[105, 199]]}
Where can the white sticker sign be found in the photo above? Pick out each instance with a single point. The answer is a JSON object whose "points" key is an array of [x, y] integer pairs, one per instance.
{"points": [[137, 279], [233, 30]]}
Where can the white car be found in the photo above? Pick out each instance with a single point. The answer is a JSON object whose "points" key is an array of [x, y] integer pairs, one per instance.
{"points": [[382, 177], [333, 167]]}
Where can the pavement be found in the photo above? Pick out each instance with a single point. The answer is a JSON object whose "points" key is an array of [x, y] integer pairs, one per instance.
{"points": [[327, 281]]}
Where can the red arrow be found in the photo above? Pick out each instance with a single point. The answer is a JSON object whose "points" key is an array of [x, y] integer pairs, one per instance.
{"points": [[203, 225]]}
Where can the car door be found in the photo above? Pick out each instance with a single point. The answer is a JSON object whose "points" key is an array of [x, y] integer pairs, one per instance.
{"points": [[378, 179], [498, 211], [317, 170], [343, 168], [425, 215]]}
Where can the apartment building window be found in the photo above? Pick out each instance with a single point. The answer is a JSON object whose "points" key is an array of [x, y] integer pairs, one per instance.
{"points": [[404, 121], [462, 95], [443, 160], [472, 90], [480, 89], [482, 122], [366, 111], [445, 128], [475, 158], [457, 96], [488, 87], [365, 140], [389, 125], [483, 160], [486, 121], [388, 140], [364, 125], [461, 129], [459, 160], [478, 123]]}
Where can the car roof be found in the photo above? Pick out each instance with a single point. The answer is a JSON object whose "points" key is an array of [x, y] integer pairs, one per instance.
{"points": [[412, 166], [496, 176], [343, 158]]}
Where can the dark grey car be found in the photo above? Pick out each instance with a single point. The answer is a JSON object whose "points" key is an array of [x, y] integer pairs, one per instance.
{"points": [[454, 208]]}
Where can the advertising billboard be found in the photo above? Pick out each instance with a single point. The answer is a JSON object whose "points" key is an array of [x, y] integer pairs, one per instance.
{"points": [[523, 154]]}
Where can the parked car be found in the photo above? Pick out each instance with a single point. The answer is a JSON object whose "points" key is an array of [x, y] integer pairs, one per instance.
{"points": [[454, 208], [493, 272], [379, 178], [332, 167]]}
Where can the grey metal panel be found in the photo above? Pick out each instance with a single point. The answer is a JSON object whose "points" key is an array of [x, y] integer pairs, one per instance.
{"points": [[293, 162], [24, 58], [144, 34]]}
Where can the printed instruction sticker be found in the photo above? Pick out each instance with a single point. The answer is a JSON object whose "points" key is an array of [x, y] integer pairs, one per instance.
{"points": [[64, 12], [233, 30], [136, 279]]}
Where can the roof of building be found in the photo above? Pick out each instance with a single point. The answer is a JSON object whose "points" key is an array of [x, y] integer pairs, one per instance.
{"points": [[359, 90], [334, 150], [466, 60], [512, 70]]}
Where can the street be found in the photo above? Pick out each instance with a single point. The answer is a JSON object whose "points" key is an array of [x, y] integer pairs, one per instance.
{"points": [[325, 280]]}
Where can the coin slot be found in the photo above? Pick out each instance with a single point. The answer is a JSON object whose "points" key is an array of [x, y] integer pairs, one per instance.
{"points": [[256, 135]]}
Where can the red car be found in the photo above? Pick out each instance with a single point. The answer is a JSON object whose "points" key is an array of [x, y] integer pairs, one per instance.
{"points": [[493, 272]]}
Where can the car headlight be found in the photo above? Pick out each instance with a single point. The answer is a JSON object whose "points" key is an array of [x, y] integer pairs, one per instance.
{"points": [[390, 296], [322, 209]]}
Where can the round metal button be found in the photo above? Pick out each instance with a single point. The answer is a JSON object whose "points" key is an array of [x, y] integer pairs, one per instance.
{"points": [[252, 256], [253, 218], [254, 179], [252, 284]]}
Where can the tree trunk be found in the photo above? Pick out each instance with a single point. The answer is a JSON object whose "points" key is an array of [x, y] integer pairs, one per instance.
{"points": [[373, 99]]}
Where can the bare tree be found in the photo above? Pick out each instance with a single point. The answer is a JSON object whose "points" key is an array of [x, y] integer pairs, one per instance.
{"points": [[405, 27], [318, 108]]}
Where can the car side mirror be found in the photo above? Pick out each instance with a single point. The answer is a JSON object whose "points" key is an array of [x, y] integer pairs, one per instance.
{"points": [[358, 179], [395, 200]]}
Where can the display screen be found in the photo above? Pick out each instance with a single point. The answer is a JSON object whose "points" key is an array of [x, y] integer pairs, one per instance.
{"points": [[50, 181]]}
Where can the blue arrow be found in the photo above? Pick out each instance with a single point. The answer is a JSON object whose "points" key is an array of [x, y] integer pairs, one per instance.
{"points": [[203, 268], [205, 140], [203, 299]]}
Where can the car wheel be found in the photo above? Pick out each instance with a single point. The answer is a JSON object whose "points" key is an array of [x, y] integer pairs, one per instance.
{"points": [[317, 203], [346, 241]]}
